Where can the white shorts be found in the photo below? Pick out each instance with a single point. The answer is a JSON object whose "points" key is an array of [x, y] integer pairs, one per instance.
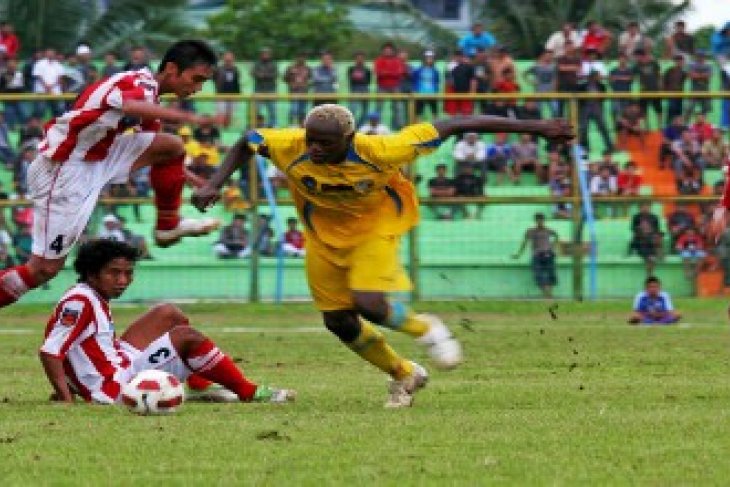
{"points": [[159, 355], [65, 194]]}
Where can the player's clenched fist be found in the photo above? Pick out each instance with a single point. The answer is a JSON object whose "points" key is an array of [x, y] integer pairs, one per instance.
{"points": [[205, 197]]}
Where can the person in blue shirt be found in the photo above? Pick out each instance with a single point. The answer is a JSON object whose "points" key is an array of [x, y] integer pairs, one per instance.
{"points": [[652, 306], [476, 39], [426, 79]]}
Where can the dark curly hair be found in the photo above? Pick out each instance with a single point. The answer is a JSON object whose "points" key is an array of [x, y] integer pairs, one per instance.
{"points": [[95, 254]]}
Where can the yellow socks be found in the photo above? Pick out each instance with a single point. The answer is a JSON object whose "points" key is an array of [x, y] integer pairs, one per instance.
{"points": [[370, 345], [403, 319]]}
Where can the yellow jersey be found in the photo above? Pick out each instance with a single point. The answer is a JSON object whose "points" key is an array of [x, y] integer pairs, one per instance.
{"points": [[343, 204]]}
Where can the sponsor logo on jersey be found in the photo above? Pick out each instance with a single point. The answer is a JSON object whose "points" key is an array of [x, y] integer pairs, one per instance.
{"points": [[69, 317]]}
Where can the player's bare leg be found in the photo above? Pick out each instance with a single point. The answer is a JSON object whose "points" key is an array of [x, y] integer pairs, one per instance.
{"points": [[368, 342], [200, 354], [18, 280], [428, 329], [166, 155]]}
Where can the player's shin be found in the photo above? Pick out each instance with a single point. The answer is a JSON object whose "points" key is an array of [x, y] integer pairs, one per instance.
{"points": [[208, 362], [15, 282], [167, 181], [369, 343], [402, 318]]}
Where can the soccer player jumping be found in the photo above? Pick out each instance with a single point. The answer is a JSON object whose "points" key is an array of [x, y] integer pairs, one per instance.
{"points": [[355, 204], [111, 130], [82, 356]]}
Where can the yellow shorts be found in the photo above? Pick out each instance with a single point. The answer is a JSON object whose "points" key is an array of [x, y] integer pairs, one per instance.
{"points": [[334, 273]]}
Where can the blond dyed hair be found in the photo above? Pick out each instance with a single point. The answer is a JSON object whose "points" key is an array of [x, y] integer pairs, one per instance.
{"points": [[329, 111]]}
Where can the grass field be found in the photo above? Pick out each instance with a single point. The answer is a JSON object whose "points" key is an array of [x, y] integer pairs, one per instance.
{"points": [[581, 398]]}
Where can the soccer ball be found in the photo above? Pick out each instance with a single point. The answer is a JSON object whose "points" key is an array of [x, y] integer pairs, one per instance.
{"points": [[153, 392]]}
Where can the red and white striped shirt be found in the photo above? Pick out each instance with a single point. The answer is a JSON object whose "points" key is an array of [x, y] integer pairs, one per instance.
{"points": [[88, 130], [81, 333]]}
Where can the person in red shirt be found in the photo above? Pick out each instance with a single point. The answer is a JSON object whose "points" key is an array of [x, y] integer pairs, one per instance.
{"points": [[629, 181], [702, 129], [597, 38], [293, 244], [508, 85], [390, 70], [9, 40]]}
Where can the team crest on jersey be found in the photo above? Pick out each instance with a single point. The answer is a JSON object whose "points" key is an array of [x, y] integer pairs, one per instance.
{"points": [[70, 313], [364, 186], [310, 183]]}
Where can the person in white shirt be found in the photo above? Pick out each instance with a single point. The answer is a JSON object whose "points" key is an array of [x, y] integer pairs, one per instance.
{"points": [[470, 151], [593, 63], [111, 228], [632, 39], [374, 126], [47, 73], [604, 184], [557, 41]]}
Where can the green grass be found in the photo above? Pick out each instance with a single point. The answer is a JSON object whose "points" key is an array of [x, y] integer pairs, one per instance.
{"points": [[581, 399]]}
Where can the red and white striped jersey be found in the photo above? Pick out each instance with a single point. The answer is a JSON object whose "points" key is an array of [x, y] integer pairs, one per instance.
{"points": [[81, 333], [88, 130]]}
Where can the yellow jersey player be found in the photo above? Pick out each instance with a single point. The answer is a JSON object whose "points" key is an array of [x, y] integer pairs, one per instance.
{"points": [[356, 204]]}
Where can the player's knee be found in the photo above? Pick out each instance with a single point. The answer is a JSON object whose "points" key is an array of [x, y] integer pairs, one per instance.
{"points": [[167, 146], [345, 325], [372, 306], [170, 313], [43, 270], [185, 338]]}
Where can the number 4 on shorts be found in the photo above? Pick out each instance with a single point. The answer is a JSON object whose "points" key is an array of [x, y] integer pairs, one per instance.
{"points": [[57, 244]]}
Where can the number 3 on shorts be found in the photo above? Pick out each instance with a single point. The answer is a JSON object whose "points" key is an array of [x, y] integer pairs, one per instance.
{"points": [[57, 244]]}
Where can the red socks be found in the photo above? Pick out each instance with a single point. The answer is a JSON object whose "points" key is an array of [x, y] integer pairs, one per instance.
{"points": [[208, 362], [198, 383], [15, 282], [167, 180]]}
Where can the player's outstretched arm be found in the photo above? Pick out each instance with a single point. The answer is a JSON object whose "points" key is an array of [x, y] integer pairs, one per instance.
{"points": [[558, 129], [147, 110], [206, 195], [57, 377], [720, 216]]}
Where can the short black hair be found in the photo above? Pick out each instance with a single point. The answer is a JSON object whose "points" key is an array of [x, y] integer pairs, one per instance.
{"points": [[539, 216], [291, 220], [652, 279], [95, 254], [188, 53]]}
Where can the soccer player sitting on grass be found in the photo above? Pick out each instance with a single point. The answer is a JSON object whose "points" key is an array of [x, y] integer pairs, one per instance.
{"points": [[652, 306], [355, 204], [82, 355]]}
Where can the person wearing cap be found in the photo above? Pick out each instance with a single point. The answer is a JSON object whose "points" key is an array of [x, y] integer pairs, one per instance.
{"points": [[426, 80], [542, 241], [374, 126], [111, 228], [477, 38], [700, 73], [674, 79], [84, 65], [264, 73]]}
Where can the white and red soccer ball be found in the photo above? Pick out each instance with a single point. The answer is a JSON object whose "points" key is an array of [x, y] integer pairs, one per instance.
{"points": [[153, 392]]}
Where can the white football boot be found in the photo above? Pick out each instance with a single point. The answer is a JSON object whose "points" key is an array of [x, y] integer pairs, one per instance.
{"points": [[401, 392], [186, 228], [443, 348]]}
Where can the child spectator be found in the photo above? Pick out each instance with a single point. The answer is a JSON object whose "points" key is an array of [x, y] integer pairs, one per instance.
{"points": [[679, 221], [524, 156], [441, 186], [265, 236], [470, 151], [691, 247], [653, 306], [293, 244], [233, 242], [629, 181], [499, 158], [604, 184]]}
